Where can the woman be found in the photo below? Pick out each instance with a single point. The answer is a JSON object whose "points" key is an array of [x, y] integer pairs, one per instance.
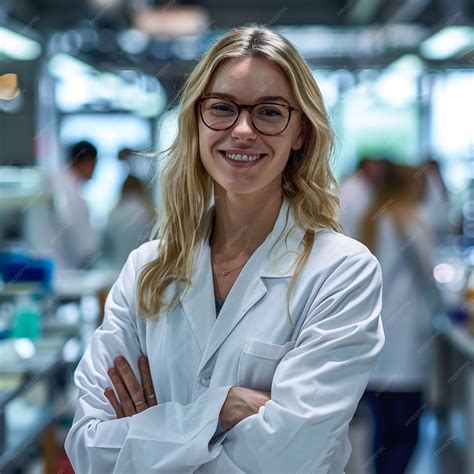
{"points": [[272, 383], [395, 231]]}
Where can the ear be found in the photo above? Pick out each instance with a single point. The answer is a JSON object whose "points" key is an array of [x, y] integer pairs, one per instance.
{"points": [[299, 139]]}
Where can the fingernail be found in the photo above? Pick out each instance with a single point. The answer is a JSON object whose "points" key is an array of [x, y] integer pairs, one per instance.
{"points": [[119, 360]]}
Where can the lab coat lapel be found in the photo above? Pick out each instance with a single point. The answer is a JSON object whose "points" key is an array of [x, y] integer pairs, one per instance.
{"points": [[198, 301], [249, 288]]}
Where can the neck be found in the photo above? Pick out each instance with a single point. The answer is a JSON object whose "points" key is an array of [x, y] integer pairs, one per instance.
{"points": [[242, 223]]}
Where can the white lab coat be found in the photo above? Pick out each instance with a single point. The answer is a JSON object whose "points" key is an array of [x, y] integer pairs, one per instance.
{"points": [[61, 228], [316, 369], [407, 306]]}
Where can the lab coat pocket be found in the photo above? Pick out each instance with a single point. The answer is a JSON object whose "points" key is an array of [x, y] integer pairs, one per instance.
{"points": [[258, 363]]}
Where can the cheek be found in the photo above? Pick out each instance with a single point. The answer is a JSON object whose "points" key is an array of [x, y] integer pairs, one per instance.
{"points": [[207, 139], [282, 148]]}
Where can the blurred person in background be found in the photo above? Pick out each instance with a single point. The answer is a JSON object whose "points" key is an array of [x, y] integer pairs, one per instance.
{"points": [[130, 222], [394, 229], [62, 228], [355, 194], [436, 205]]}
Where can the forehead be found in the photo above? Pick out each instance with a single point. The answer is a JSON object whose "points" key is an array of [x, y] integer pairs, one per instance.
{"points": [[249, 79]]}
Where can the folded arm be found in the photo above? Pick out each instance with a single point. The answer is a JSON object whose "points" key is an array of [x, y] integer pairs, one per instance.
{"points": [[169, 437], [317, 385]]}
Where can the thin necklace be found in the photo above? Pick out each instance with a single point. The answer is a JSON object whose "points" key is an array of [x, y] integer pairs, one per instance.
{"points": [[226, 272]]}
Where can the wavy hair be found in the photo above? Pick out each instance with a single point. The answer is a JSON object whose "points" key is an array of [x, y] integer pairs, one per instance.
{"points": [[186, 188], [396, 195]]}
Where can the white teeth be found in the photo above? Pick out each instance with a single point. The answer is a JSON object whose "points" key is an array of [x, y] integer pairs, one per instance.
{"points": [[238, 157]]}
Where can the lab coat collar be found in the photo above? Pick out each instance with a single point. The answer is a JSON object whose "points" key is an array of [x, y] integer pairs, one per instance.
{"points": [[274, 258]]}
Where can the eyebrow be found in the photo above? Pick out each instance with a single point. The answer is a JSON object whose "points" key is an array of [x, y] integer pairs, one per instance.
{"points": [[266, 98]]}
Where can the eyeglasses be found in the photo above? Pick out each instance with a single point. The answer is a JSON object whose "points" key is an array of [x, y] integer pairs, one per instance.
{"points": [[268, 118]]}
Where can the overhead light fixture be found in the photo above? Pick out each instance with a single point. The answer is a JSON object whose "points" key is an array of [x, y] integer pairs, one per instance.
{"points": [[105, 3], [172, 21], [17, 46], [62, 65], [448, 42], [410, 64]]}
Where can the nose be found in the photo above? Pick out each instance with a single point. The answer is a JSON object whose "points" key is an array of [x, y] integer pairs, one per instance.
{"points": [[243, 128]]}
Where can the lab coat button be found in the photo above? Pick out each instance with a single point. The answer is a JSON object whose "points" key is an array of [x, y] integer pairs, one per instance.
{"points": [[205, 380]]}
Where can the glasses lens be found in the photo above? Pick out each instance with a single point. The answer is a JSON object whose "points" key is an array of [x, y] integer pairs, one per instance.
{"points": [[218, 113], [270, 118]]}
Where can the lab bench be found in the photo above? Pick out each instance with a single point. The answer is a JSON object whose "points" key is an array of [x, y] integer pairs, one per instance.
{"points": [[33, 392]]}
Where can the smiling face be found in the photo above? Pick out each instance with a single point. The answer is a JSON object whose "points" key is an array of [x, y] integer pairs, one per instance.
{"points": [[249, 81]]}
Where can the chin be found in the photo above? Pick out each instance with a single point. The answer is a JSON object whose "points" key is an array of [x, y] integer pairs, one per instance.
{"points": [[237, 188]]}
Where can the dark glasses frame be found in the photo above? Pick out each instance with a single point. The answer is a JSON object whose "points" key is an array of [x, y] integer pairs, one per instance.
{"points": [[240, 107]]}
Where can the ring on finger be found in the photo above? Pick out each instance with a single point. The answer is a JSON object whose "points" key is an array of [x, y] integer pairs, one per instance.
{"points": [[137, 404], [150, 397]]}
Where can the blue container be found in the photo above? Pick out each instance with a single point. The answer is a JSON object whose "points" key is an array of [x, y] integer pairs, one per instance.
{"points": [[19, 268]]}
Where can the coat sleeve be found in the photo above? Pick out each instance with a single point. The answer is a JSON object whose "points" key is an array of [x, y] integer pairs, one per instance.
{"points": [[317, 385], [169, 437]]}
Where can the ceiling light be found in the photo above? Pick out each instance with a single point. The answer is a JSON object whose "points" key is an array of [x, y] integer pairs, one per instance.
{"points": [[62, 65], [17, 46], [448, 42]]}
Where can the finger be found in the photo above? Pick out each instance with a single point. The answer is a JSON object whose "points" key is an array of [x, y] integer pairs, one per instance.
{"points": [[110, 395], [133, 387], [147, 382], [128, 407]]}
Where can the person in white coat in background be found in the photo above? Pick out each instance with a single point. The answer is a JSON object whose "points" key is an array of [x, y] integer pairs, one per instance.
{"points": [[62, 227], [243, 338], [395, 229]]}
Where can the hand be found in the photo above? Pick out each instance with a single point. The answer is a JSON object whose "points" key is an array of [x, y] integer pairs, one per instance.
{"points": [[240, 403], [133, 397]]}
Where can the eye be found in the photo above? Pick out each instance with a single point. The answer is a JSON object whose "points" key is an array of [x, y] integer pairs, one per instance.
{"points": [[220, 108], [223, 107], [269, 112]]}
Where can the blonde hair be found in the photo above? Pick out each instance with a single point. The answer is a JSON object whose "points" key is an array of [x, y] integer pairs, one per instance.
{"points": [[396, 194], [186, 187]]}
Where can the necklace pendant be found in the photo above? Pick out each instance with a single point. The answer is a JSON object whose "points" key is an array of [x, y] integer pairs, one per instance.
{"points": [[225, 274]]}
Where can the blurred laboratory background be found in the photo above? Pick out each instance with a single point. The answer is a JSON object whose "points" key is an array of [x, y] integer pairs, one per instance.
{"points": [[88, 94]]}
